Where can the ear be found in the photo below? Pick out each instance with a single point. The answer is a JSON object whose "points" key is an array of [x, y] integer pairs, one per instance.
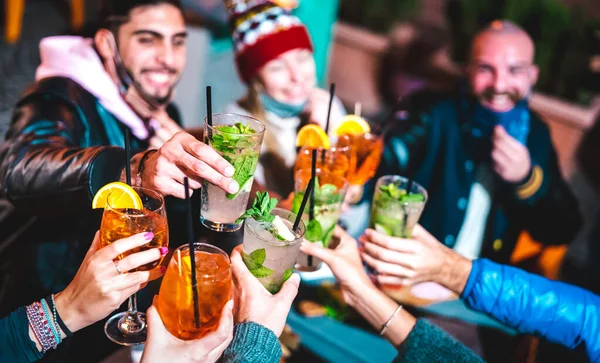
{"points": [[104, 43], [534, 72]]}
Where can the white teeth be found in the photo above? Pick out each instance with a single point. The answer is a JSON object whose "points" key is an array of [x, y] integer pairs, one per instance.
{"points": [[158, 77]]}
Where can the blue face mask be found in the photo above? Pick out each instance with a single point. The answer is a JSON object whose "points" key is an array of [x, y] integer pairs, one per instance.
{"points": [[280, 109], [515, 121]]}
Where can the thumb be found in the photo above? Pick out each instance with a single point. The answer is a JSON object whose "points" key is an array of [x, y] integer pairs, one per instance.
{"points": [[155, 323], [288, 292]]}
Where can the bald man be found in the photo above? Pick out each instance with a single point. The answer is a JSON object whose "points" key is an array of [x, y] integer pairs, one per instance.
{"points": [[486, 160]]}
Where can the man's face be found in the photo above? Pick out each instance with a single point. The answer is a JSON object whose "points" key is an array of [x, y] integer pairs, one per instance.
{"points": [[153, 49], [501, 70]]}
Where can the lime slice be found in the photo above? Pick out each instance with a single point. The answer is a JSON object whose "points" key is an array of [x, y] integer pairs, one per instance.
{"points": [[283, 231], [381, 229]]}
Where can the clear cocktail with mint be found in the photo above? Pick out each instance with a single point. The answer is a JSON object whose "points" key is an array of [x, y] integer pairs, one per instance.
{"points": [[271, 246], [238, 140], [396, 209], [329, 192]]}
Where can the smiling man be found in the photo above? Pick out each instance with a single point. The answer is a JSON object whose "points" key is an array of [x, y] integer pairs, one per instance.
{"points": [[66, 141], [486, 160]]}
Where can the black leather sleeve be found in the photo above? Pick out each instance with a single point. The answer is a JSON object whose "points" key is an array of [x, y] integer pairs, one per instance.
{"points": [[46, 164]]}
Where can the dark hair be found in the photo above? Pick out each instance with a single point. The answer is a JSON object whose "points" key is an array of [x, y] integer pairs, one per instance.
{"points": [[114, 13]]}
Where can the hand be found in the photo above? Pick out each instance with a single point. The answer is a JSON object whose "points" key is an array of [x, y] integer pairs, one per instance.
{"points": [[511, 158], [254, 303], [318, 104], [401, 261], [161, 346], [98, 288], [168, 128], [345, 263], [183, 156]]}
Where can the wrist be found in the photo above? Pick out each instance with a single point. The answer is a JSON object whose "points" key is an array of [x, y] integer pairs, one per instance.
{"points": [[455, 273], [68, 313]]}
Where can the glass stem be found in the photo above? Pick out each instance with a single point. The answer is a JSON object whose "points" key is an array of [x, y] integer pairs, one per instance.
{"points": [[132, 305]]}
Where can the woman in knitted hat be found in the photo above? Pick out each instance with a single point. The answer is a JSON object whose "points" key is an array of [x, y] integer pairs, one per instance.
{"points": [[274, 57]]}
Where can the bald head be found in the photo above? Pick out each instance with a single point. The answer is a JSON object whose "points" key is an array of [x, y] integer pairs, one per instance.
{"points": [[501, 69]]}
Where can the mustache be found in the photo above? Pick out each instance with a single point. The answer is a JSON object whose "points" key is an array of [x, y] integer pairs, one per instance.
{"points": [[490, 93], [171, 71]]}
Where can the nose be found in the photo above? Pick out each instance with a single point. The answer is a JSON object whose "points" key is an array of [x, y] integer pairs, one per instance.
{"points": [[294, 71], [500, 82], [166, 54]]}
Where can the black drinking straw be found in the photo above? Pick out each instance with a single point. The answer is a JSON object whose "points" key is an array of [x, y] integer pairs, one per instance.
{"points": [[127, 157], [190, 236], [311, 207], [209, 105], [313, 178], [303, 205], [331, 95]]}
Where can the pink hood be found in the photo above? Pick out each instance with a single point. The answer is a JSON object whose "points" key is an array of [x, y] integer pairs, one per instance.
{"points": [[75, 58]]}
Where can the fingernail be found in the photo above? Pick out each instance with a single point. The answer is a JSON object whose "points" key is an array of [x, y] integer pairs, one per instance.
{"points": [[234, 187], [163, 269], [148, 236], [229, 171], [164, 251]]}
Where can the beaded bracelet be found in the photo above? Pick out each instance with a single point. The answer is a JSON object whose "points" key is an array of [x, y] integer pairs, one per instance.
{"points": [[60, 322], [41, 324], [51, 322]]}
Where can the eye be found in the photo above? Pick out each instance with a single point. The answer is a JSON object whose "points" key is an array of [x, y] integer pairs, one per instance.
{"points": [[484, 68], [145, 40], [179, 42]]}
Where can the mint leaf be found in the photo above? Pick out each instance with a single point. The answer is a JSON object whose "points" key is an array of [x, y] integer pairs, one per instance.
{"points": [[244, 171], [314, 231], [261, 209], [288, 273], [261, 272], [328, 236], [249, 262]]}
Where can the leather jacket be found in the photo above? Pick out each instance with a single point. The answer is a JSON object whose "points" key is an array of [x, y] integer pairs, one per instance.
{"points": [[559, 312], [62, 146]]}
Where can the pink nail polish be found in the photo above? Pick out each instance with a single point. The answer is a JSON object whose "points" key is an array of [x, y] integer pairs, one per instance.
{"points": [[163, 269], [164, 251], [148, 236]]}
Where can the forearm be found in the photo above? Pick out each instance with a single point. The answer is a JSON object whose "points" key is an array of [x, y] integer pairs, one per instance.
{"points": [[17, 343], [253, 343], [46, 177], [532, 304], [455, 272], [377, 308]]}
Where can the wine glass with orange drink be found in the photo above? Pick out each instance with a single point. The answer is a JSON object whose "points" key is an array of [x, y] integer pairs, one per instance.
{"points": [[129, 211]]}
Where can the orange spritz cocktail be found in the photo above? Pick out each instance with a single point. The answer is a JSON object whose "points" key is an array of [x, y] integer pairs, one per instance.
{"points": [[365, 148], [214, 287], [335, 160], [119, 223]]}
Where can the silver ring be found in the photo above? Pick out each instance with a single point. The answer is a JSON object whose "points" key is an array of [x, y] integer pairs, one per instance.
{"points": [[116, 263]]}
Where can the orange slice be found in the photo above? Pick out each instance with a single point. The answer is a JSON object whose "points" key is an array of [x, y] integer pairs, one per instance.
{"points": [[353, 125], [118, 195], [312, 136]]}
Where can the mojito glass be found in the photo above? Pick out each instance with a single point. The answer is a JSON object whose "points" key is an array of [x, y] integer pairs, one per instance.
{"points": [[269, 258], [329, 193], [238, 140], [396, 210], [214, 286]]}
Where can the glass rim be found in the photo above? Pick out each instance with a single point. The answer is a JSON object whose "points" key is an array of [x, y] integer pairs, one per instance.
{"points": [[153, 194], [215, 250], [341, 148], [301, 227], [321, 171], [213, 127], [403, 179]]}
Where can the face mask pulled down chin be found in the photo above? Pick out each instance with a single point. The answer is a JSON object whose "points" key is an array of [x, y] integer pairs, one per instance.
{"points": [[132, 91]]}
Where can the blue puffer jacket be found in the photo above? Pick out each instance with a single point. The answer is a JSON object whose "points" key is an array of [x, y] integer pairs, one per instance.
{"points": [[561, 313]]}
